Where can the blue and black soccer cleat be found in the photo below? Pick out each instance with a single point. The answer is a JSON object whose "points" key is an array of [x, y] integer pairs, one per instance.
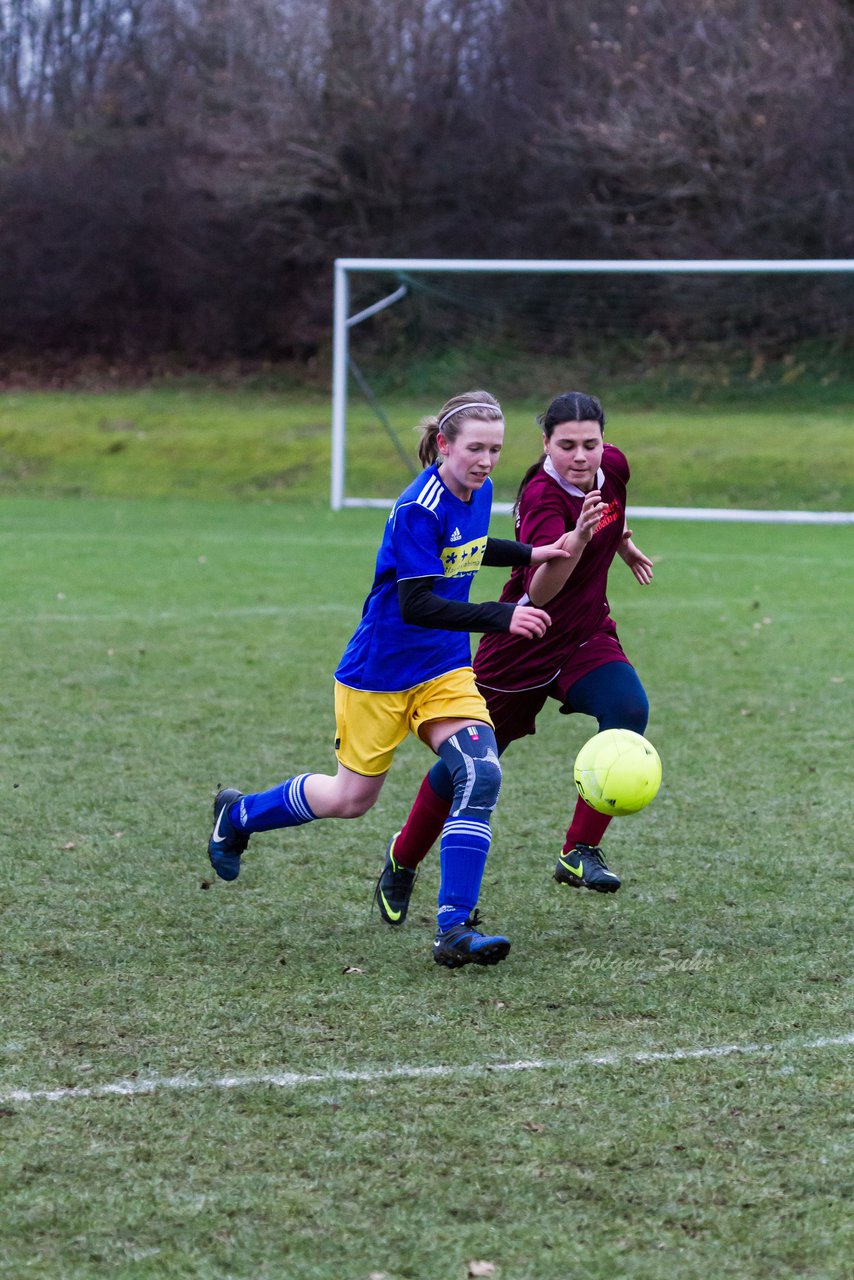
{"points": [[227, 842], [394, 887], [464, 944], [584, 867]]}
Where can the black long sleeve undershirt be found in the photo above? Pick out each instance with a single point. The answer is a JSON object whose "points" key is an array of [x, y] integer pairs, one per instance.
{"points": [[420, 606], [506, 553]]}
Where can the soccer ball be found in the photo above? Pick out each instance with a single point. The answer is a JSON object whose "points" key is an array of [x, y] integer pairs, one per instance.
{"points": [[617, 772]]}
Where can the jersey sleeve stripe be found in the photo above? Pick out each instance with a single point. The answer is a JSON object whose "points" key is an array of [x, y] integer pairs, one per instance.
{"points": [[413, 503], [430, 494]]}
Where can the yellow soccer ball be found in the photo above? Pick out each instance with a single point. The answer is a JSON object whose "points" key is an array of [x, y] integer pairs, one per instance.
{"points": [[617, 772]]}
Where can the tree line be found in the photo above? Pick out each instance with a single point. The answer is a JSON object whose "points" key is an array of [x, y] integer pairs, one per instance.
{"points": [[178, 175]]}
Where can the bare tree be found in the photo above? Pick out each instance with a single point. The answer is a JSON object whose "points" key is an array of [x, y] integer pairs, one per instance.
{"points": [[180, 173], [697, 131]]}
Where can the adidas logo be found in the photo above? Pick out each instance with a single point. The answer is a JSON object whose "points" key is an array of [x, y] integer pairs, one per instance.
{"points": [[456, 535]]}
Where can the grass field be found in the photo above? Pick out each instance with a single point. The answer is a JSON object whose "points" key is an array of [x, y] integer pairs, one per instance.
{"points": [[780, 447], [156, 647]]}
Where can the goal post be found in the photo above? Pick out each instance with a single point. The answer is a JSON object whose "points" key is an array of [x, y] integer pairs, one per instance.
{"points": [[343, 365]]}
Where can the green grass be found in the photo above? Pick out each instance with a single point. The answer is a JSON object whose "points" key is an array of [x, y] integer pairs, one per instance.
{"points": [[165, 440], [787, 448], [155, 648]]}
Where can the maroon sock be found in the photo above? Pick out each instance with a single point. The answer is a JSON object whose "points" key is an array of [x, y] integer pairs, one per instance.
{"points": [[422, 828], [587, 826]]}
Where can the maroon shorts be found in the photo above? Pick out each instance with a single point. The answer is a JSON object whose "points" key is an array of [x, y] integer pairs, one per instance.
{"points": [[514, 711]]}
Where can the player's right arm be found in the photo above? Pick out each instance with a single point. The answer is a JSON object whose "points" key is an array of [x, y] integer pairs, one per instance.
{"points": [[550, 578]]}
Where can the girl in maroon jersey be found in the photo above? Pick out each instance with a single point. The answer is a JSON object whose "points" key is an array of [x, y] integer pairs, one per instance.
{"points": [[575, 491]]}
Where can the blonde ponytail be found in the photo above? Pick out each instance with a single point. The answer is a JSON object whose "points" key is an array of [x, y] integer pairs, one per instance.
{"points": [[428, 449]]}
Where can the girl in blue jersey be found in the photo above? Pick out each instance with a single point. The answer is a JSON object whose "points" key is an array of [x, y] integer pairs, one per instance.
{"points": [[578, 488], [408, 669]]}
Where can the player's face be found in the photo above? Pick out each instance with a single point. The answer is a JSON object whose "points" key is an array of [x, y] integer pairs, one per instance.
{"points": [[575, 449], [468, 459]]}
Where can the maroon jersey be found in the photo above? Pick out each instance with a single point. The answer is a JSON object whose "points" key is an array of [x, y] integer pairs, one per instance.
{"points": [[579, 612]]}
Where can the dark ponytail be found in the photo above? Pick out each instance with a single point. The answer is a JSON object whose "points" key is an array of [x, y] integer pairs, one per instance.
{"points": [[526, 479]]}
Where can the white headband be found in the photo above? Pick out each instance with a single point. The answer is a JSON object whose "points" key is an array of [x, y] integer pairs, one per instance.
{"points": [[475, 404]]}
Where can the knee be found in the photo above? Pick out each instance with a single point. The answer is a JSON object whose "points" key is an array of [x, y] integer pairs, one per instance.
{"points": [[628, 711], [355, 806], [352, 801], [475, 770], [476, 788], [635, 712], [486, 783]]}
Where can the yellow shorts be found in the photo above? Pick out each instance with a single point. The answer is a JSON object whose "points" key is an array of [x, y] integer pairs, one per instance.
{"points": [[369, 727]]}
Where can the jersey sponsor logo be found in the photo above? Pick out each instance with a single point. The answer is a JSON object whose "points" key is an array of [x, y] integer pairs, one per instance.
{"points": [[465, 558], [612, 512]]}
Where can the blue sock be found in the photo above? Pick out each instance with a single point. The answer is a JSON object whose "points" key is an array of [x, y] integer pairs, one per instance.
{"points": [[282, 806], [470, 758], [463, 852]]}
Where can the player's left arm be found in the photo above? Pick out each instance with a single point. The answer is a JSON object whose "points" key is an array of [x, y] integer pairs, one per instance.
{"points": [[640, 564]]}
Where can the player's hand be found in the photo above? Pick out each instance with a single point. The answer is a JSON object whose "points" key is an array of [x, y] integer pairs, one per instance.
{"points": [[640, 565], [551, 551], [592, 510], [530, 622]]}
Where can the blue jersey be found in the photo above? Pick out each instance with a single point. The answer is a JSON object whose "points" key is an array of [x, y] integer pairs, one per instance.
{"points": [[429, 533]]}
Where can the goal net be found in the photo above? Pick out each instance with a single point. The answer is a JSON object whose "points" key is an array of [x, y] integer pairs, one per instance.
{"points": [[663, 344]]}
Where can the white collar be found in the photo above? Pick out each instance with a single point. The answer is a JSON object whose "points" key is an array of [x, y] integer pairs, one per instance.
{"points": [[573, 489]]}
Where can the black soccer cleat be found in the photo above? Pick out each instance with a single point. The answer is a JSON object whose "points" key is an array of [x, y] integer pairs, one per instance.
{"points": [[464, 944], [584, 867], [394, 887], [227, 842]]}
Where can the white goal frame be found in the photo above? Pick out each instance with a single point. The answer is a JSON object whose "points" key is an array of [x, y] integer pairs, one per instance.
{"points": [[343, 322]]}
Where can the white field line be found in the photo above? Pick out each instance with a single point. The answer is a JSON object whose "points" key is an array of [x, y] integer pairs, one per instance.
{"points": [[728, 514], [182, 616], [382, 1075]]}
